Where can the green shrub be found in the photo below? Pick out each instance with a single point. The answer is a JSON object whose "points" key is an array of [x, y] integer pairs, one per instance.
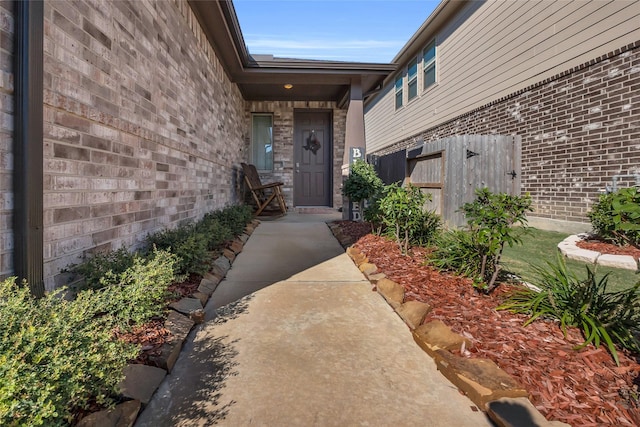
{"points": [[457, 251], [137, 294], [94, 269], [55, 357], [234, 218], [615, 217], [401, 211], [608, 317], [191, 247], [362, 183], [490, 224], [193, 242]]}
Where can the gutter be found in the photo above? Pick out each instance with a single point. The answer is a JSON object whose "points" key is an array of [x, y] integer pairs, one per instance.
{"points": [[28, 146]]}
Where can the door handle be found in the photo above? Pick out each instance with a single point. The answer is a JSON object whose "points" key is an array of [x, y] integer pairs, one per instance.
{"points": [[297, 167]]}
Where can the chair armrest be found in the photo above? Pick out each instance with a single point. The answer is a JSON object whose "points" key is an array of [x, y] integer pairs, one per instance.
{"points": [[270, 185]]}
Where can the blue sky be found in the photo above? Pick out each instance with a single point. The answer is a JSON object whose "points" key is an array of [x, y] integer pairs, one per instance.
{"points": [[341, 30]]}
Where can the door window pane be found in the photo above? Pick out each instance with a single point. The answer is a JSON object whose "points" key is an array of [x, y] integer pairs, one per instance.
{"points": [[262, 141]]}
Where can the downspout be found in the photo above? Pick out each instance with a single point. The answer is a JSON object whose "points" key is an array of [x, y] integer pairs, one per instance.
{"points": [[28, 145]]}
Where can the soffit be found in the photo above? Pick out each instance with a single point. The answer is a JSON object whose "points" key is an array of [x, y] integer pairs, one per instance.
{"points": [[263, 77]]}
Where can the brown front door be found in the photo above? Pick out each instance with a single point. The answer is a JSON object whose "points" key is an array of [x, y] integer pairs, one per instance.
{"points": [[312, 144]]}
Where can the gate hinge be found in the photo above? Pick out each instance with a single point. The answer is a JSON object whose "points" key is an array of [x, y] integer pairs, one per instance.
{"points": [[471, 154]]}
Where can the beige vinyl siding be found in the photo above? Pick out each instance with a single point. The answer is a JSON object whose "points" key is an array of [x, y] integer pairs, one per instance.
{"points": [[492, 49]]}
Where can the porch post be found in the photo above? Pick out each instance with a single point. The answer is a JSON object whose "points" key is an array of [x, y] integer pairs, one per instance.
{"points": [[354, 132]]}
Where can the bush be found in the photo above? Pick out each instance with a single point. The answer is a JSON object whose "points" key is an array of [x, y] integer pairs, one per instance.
{"points": [[191, 247], [401, 210], [193, 242], [95, 269], [608, 317], [55, 357], [362, 184], [490, 225], [615, 217], [137, 294]]}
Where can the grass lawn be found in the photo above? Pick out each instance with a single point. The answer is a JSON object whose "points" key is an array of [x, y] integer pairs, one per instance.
{"points": [[539, 247]]}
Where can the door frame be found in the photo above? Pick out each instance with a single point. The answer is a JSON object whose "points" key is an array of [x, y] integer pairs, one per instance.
{"points": [[296, 147]]}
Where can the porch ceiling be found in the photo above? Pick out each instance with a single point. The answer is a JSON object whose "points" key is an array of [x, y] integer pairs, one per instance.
{"points": [[262, 78]]}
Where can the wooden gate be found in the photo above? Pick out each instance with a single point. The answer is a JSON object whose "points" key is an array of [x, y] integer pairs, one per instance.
{"points": [[450, 169]]}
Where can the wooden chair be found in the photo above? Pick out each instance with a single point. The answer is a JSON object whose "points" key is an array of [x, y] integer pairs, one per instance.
{"points": [[263, 194]]}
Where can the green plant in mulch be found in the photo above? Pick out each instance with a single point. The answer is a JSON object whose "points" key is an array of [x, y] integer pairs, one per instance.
{"points": [[615, 217], [401, 211], [493, 221], [604, 317], [362, 183]]}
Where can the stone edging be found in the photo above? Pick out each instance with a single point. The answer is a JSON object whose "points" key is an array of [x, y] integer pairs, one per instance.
{"points": [[569, 249], [141, 381], [495, 392]]}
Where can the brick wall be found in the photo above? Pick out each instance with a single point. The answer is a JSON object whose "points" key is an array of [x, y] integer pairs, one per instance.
{"points": [[578, 130], [6, 137], [142, 127], [283, 112]]}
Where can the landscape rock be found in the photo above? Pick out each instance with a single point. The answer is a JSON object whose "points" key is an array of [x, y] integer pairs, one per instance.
{"points": [[207, 286], [517, 412], [375, 278], [229, 254], [360, 259], [582, 255], [123, 415], [197, 316], [236, 246], [391, 291], [367, 268], [352, 252], [243, 238], [223, 264], [201, 296], [179, 326], [186, 305], [435, 335], [618, 261], [480, 379], [255, 223], [141, 381], [413, 313]]}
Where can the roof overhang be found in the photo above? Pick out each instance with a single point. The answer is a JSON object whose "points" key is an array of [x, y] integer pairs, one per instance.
{"points": [[262, 78]]}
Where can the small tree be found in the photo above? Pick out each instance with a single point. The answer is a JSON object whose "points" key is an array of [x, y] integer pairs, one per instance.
{"points": [[402, 210], [476, 252], [362, 184]]}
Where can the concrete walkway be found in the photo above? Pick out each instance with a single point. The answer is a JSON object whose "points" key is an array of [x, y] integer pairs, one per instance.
{"points": [[296, 337]]}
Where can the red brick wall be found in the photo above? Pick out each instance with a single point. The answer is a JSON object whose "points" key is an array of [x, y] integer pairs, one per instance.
{"points": [[578, 130], [142, 127]]}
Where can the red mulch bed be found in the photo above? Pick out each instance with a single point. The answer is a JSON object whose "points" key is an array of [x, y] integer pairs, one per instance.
{"points": [[582, 388], [608, 248]]}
